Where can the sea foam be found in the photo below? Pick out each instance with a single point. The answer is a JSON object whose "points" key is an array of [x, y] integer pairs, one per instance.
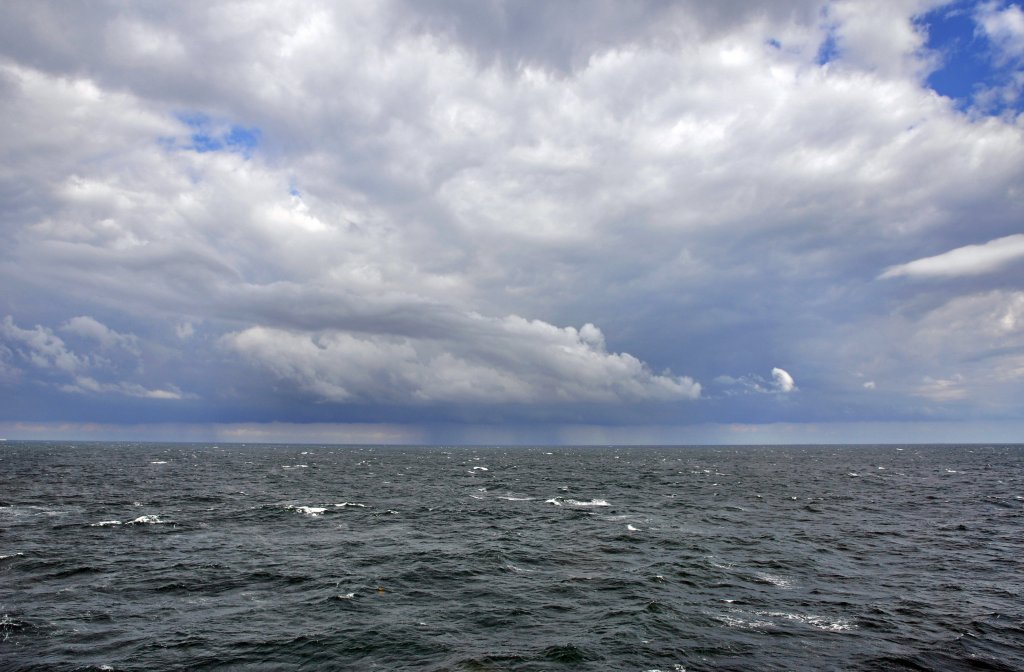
{"points": [[312, 511]]}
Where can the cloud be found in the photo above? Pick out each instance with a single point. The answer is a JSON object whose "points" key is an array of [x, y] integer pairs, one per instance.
{"points": [[909, 353], [89, 327], [512, 360], [85, 385], [1004, 27], [963, 261], [942, 389], [39, 348], [783, 381]]}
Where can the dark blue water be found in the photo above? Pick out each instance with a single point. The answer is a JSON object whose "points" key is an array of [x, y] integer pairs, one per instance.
{"points": [[185, 557]]}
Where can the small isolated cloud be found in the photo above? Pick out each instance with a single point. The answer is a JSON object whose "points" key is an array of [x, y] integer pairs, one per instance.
{"points": [[506, 360], [185, 331], [967, 260], [869, 385], [783, 381]]}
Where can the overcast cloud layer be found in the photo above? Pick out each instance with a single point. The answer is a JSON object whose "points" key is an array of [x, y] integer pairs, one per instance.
{"points": [[427, 216]]}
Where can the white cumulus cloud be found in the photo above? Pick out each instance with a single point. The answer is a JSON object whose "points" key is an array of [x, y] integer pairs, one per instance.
{"points": [[783, 381], [507, 360]]}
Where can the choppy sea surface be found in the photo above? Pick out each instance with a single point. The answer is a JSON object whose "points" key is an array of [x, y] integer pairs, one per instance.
{"points": [[204, 557]]}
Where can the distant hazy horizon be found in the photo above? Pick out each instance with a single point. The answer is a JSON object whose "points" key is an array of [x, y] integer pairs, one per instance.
{"points": [[792, 435]]}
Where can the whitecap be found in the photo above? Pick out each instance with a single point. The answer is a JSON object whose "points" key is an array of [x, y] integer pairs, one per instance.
{"points": [[159, 462], [819, 622], [106, 523], [12, 555], [774, 579], [592, 502], [742, 623], [516, 499], [518, 569], [346, 596], [146, 520], [308, 510], [559, 501], [480, 469], [632, 529], [352, 504]]}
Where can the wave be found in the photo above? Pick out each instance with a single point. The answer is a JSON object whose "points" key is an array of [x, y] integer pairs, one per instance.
{"points": [[765, 619], [560, 501], [149, 519], [312, 511]]}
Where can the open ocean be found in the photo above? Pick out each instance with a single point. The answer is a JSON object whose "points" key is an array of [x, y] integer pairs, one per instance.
{"points": [[117, 556]]}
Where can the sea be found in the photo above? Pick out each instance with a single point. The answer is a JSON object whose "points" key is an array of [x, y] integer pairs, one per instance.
{"points": [[154, 556]]}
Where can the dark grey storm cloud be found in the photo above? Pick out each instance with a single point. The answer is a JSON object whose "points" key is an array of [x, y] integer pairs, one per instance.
{"points": [[468, 214]]}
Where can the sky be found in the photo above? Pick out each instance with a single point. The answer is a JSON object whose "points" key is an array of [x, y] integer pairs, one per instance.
{"points": [[512, 222]]}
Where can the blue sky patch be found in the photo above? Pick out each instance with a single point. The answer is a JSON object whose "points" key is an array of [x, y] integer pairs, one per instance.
{"points": [[971, 69], [829, 49], [209, 135]]}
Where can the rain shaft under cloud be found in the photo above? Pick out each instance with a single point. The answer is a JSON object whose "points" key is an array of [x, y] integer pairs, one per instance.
{"points": [[413, 213]]}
